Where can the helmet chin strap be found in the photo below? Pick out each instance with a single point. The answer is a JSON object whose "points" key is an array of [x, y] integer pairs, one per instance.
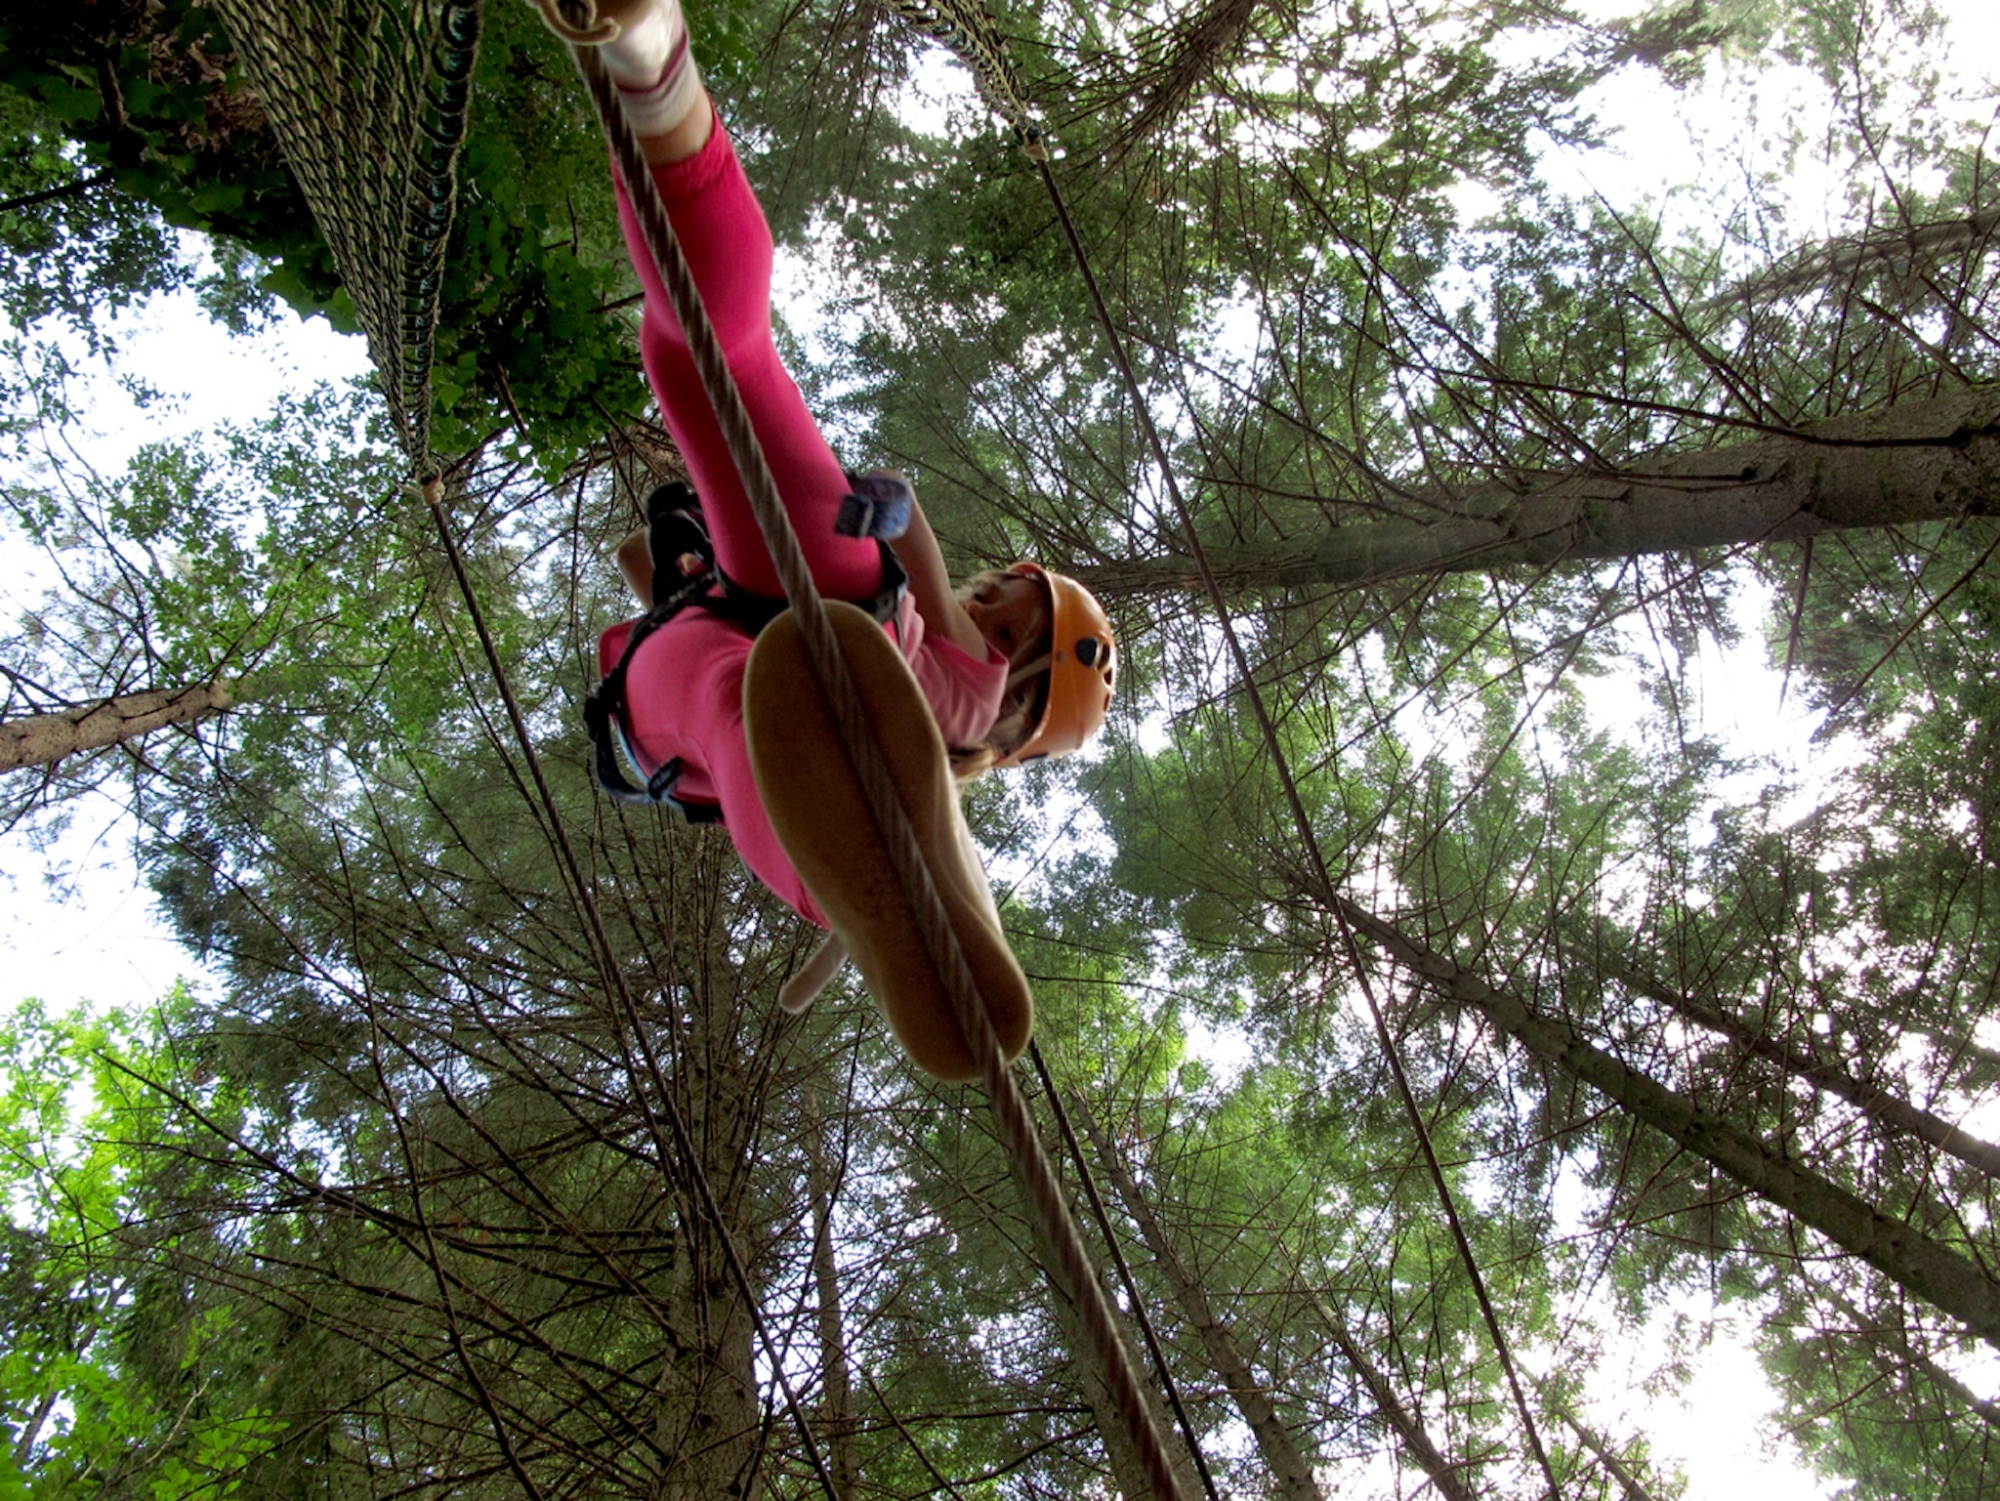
{"points": [[1021, 675]]}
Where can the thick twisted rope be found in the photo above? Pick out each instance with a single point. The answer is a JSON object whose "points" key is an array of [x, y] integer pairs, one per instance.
{"points": [[1010, 1109]]}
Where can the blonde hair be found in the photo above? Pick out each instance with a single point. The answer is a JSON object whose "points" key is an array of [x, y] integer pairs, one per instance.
{"points": [[1020, 705]]}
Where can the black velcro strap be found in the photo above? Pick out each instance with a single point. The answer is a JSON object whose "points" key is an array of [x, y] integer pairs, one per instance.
{"points": [[674, 529]]}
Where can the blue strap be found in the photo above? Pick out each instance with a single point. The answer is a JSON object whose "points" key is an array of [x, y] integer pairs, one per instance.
{"points": [[879, 506]]}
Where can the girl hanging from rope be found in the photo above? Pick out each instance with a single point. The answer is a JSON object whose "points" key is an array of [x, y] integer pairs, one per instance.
{"points": [[1014, 666]]}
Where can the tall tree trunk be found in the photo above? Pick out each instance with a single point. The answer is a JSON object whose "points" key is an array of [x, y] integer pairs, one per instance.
{"points": [[1871, 1099], [1894, 1354], [1900, 1251], [1289, 1466], [1935, 460], [72, 189], [709, 1418], [1981, 1065], [843, 1452], [1405, 1424], [1630, 1485], [1897, 1364], [1201, 45], [1128, 1470], [1835, 265], [41, 739]]}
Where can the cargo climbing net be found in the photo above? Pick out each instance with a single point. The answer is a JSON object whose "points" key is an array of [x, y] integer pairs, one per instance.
{"points": [[370, 103]]}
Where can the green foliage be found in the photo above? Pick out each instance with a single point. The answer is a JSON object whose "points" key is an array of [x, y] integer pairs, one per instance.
{"points": [[149, 99], [431, 1197], [98, 1402], [82, 251]]}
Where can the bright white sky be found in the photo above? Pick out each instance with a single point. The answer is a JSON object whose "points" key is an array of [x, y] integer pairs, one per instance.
{"points": [[90, 937], [78, 926]]}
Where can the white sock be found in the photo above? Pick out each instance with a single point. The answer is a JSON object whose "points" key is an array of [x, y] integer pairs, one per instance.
{"points": [[654, 69]]}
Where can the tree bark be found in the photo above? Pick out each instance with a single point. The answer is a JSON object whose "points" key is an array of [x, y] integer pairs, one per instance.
{"points": [[1129, 1476], [1900, 1251], [1406, 1425], [1986, 1410], [709, 1418], [1915, 462], [1871, 1099], [42, 739], [1880, 1335], [843, 1454], [1289, 1467], [1629, 1484], [1834, 265]]}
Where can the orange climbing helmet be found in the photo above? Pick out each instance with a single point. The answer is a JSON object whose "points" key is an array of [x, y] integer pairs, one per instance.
{"points": [[1082, 665]]}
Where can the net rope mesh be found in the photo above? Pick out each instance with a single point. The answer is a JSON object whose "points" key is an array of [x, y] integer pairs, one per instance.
{"points": [[965, 28], [368, 98]]}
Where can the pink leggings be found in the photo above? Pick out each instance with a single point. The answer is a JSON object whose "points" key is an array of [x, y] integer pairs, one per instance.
{"points": [[685, 684], [728, 244]]}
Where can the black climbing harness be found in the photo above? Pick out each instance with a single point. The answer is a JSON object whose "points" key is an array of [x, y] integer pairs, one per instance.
{"points": [[674, 531]]}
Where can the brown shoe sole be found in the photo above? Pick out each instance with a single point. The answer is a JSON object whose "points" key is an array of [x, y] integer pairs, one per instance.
{"points": [[820, 814]]}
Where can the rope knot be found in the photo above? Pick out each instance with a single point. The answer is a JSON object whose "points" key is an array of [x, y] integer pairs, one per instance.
{"points": [[587, 29]]}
